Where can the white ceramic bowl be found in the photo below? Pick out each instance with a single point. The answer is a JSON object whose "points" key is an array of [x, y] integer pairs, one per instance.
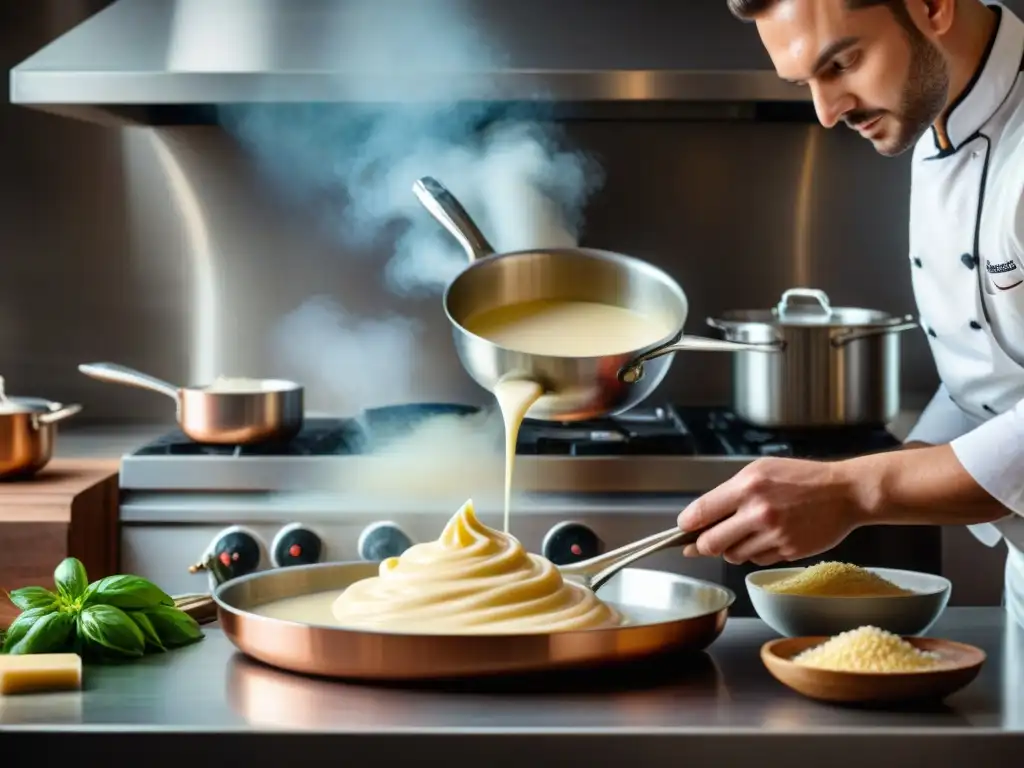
{"points": [[800, 615]]}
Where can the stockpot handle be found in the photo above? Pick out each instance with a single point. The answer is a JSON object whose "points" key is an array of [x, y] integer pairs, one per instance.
{"points": [[449, 212], [633, 371], [844, 338], [812, 301], [65, 412]]}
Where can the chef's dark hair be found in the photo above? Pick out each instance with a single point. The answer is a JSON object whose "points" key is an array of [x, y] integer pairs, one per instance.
{"points": [[748, 9]]}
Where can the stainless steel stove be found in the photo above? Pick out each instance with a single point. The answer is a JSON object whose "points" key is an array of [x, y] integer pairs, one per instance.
{"points": [[368, 487]]}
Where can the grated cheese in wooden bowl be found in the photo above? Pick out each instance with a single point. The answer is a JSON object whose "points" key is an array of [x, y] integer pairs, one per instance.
{"points": [[836, 580], [868, 649]]}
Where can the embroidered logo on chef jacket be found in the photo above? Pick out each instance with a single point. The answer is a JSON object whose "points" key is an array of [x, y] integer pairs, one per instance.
{"points": [[1004, 275]]}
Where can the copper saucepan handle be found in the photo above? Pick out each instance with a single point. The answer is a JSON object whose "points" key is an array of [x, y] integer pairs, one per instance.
{"points": [[120, 374]]}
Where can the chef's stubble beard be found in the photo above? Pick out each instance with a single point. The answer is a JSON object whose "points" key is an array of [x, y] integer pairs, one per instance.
{"points": [[924, 95]]}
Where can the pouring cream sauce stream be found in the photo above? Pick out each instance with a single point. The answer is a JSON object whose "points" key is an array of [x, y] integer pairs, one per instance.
{"points": [[562, 329], [514, 396]]}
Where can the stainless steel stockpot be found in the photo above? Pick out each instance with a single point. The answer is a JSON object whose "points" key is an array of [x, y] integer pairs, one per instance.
{"points": [[839, 366]]}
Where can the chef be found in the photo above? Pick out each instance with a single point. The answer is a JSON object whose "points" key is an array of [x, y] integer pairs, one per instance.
{"points": [[943, 79]]}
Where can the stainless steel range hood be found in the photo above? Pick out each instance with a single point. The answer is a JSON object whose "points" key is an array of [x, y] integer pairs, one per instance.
{"points": [[140, 59]]}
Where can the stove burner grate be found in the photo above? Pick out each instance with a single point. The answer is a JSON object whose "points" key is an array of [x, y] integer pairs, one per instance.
{"points": [[651, 431]]}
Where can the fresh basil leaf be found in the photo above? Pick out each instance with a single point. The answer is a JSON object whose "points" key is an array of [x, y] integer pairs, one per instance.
{"points": [[130, 593], [27, 598], [48, 634], [175, 628], [23, 623], [148, 630], [71, 579], [111, 631]]}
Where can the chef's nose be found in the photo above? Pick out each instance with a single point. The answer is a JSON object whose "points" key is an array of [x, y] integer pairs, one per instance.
{"points": [[831, 102]]}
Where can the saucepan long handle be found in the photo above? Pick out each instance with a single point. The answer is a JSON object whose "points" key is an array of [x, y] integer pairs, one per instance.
{"points": [[633, 371], [120, 374], [443, 206]]}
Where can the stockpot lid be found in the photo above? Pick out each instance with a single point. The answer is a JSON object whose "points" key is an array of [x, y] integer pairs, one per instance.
{"points": [[810, 307], [12, 405]]}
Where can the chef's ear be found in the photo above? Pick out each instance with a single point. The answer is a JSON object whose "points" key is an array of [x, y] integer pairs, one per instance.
{"points": [[936, 16]]}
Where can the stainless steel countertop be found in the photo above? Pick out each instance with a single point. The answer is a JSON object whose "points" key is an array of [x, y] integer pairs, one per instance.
{"points": [[105, 440], [722, 702]]}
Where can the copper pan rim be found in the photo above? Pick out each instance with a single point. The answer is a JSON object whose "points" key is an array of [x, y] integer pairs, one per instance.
{"points": [[683, 614]]}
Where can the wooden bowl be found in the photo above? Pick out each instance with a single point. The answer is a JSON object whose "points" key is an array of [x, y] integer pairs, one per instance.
{"points": [[961, 664]]}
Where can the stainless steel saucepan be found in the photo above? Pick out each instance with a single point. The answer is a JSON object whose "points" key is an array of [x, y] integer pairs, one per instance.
{"points": [[225, 412], [576, 388]]}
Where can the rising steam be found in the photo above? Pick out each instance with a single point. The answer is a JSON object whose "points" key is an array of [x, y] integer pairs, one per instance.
{"points": [[358, 165], [355, 164]]}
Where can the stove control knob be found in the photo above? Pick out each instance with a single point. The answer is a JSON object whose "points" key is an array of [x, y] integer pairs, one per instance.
{"points": [[295, 544], [234, 552], [570, 543], [382, 540]]}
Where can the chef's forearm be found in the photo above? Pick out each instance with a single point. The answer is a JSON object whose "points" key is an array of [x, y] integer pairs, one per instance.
{"points": [[911, 445], [927, 486]]}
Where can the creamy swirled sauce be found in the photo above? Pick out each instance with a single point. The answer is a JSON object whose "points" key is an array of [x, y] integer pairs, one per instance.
{"points": [[472, 580]]}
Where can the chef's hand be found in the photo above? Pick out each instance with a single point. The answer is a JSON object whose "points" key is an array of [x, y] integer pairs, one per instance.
{"points": [[774, 510]]}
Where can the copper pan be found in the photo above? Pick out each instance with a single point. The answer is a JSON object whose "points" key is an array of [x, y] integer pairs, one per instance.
{"points": [[668, 612], [227, 412]]}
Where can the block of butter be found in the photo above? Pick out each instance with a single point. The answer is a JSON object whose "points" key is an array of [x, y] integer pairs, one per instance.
{"points": [[34, 673]]}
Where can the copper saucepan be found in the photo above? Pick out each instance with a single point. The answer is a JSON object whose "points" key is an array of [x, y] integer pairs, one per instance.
{"points": [[667, 612], [228, 411], [28, 431]]}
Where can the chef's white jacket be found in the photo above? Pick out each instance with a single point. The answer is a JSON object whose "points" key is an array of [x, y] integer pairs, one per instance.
{"points": [[967, 262]]}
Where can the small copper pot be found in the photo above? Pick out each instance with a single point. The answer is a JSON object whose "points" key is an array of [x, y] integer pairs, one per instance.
{"points": [[226, 412], [27, 434]]}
